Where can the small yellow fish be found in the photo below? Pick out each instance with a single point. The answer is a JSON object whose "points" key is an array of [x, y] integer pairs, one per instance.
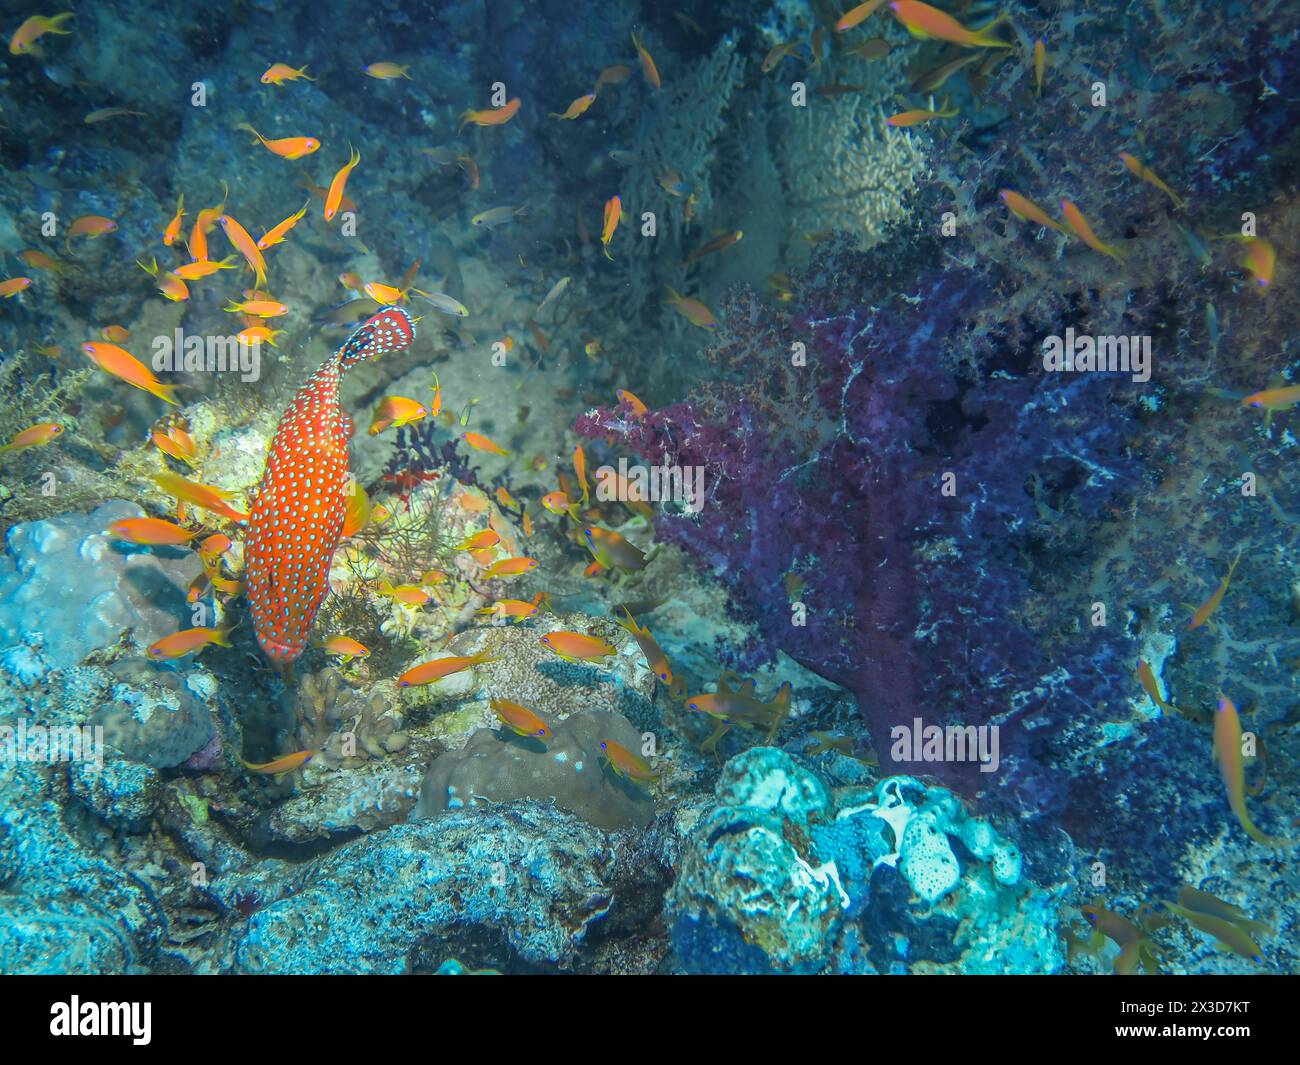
{"points": [[1148, 175], [693, 311], [204, 496], [577, 108], [388, 71], [1040, 65], [1207, 609], [23, 42], [1228, 755]]}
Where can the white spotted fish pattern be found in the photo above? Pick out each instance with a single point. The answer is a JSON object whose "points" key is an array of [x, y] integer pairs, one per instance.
{"points": [[297, 516]]}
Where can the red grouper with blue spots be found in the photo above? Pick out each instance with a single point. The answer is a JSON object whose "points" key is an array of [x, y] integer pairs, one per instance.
{"points": [[297, 516]]}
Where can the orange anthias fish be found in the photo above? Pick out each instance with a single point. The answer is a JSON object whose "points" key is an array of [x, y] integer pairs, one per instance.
{"points": [[286, 763], [514, 609], [387, 71], [577, 108], [479, 442], [692, 310], [275, 235], [926, 22], [918, 115], [23, 42], [1079, 226], [285, 147], [577, 646], [654, 655], [559, 503], [627, 763], [33, 437], [151, 531], [1136, 168], [479, 540], [175, 442], [1272, 400], [297, 515], [13, 286], [1025, 209], [246, 246], [648, 68], [187, 641], [580, 468], [1260, 259], [1210, 605], [639, 409], [510, 567], [345, 647], [91, 225], [428, 672], [519, 719], [1228, 755], [491, 116], [279, 73], [203, 496], [173, 230], [334, 198], [396, 411], [857, 16], [122, 364], [613, 212]]}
